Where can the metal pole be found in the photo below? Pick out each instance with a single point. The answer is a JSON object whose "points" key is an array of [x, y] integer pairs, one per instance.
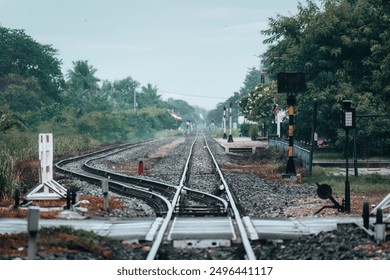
{"points": [[347, 186], [290, 170], [230, 119], [313, 128], [224, 123], [355, 163], [231, 124]]}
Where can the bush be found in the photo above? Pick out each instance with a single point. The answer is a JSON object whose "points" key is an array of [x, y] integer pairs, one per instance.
{"points": [[253, 131], [244, 129]]}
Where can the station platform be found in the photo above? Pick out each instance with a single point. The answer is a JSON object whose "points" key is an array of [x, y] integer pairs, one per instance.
{"points": [[242, 144]]}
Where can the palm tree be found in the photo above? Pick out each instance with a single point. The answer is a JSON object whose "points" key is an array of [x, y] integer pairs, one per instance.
{"points": [[82, 78], [149, 95]]}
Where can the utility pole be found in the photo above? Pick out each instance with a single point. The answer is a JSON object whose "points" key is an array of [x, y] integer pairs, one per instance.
{"points": [[135, 101]]}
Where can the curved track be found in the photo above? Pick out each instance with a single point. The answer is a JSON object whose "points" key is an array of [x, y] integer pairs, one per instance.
{"points": [[167, 200]]}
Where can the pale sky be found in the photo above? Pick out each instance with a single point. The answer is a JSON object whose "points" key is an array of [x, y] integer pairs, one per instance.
{"points": [[195, 50]]}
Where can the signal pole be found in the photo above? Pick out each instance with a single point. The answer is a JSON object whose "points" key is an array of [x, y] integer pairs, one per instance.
{"points": [[290, 169], [231, 124], [224, 123]]}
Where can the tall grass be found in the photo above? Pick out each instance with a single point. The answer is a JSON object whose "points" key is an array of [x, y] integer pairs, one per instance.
{"points": [[8, 180], [73, 144], [19, 147]]}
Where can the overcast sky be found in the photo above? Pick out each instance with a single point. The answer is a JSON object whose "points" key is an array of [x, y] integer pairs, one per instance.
{"points": [[195, 50]]}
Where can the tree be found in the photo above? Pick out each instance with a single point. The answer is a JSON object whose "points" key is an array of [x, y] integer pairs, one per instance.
{"points": [[20, 55], [82, 78], [186, 111], [8, 120], [120, 93], [83, 91], [16, 90], [343, 49], [149, 97]]}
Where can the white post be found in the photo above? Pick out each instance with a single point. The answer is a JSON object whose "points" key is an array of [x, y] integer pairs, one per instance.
{"points": [[46, 158], [48, 188], [278, 119]]}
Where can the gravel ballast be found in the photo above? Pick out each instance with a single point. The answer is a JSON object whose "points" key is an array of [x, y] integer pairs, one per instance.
{"points": [[258, 197]]}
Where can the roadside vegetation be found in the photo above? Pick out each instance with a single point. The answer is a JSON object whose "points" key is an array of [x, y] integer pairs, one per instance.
{"points": [[343, 48], [78, 108]]}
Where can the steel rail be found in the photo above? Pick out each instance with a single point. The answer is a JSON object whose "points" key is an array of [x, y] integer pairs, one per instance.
{"points": [[158, 202], [164, 188], [244, 236], [160, 235], [204, 196]]}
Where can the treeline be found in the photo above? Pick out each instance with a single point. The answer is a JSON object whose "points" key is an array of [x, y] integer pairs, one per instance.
{"points": [[343, 47], [77, 107], [36, 96]]}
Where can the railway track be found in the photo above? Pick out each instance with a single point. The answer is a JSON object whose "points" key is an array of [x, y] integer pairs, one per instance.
{"points": [[188, 225], [211, 199], [78, 167]]}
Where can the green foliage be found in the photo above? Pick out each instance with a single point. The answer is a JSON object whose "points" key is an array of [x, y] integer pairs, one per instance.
{"points": [[342, 47], [253, 132], [21, 145], [244, 129], [79, 113], [186, 111], [146, 122], [120, 93], [22, 56], [15, 90], [7, 180], [82, 79], [8, 119], [73, 144]]}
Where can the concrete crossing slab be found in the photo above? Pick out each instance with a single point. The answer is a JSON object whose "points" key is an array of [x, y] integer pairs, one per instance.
{"points": [[221, 228], [118, 229], [295, 227], [202, 228]]}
